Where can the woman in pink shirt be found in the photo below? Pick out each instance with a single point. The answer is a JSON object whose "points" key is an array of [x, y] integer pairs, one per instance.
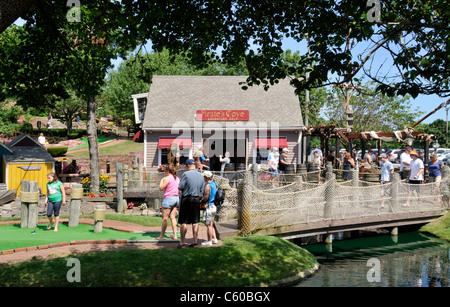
{"points": [[169, 185]]}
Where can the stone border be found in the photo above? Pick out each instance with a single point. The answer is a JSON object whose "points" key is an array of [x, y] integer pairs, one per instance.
{"points": [[290, 280]]}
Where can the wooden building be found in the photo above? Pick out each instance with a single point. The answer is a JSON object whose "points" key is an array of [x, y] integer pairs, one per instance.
{"points": [[25, 159], [216, 113]]}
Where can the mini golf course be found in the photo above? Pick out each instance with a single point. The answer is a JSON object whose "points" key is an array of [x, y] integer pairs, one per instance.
{"points": [[14, 237]]}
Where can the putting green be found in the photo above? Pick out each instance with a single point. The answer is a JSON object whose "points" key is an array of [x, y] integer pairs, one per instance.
{"points": [[12, 236]]}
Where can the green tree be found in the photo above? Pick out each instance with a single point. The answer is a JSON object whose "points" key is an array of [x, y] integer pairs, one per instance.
{"points": [[134, 75]]}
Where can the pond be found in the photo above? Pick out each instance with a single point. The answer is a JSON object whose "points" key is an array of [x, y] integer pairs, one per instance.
{"points": [[407, 260]]}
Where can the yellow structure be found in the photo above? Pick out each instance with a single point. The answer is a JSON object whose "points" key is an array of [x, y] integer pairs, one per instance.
{"points": [[25, 159]]}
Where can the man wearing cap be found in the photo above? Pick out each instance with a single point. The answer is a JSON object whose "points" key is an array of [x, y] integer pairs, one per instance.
{"points": [[415, 174], [191, 184], [386, 170], [283, 162], [209, 194]]}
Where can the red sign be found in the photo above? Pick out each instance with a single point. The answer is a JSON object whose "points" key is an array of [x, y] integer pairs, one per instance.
{"points": [[222, 115]]}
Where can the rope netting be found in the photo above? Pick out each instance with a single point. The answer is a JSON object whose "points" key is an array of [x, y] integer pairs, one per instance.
{"points": [[259, 199]]}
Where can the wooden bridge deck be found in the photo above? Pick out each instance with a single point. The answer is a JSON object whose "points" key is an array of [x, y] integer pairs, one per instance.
{"points": [[329, 226]]}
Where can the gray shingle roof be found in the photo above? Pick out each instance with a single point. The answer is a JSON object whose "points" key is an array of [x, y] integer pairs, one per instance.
{"points": [[32, 152], [176, 99]]}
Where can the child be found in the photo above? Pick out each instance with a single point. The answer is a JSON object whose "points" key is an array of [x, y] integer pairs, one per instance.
{"points": [[56, 195]]}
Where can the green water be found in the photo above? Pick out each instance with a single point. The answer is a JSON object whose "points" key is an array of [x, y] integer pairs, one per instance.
{"points": [[407, 260]]}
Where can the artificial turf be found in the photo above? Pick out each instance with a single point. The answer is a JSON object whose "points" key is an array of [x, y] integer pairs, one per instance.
{"points": [[12, 236]]}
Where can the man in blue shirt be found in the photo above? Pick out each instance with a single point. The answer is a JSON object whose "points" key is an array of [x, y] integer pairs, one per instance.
{"points": [[386, 170], [190, 187]]}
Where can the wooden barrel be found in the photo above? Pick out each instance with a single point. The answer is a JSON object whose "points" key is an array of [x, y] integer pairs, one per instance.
{"points": [[240, 167], [371, 177], [301, 168], [229, 167]]}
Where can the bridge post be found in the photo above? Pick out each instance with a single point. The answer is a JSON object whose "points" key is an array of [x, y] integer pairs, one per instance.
{"points": [[330, 191], [443, 187], [354, 175], [395, 179], [119, 182], [329, 169], [244, 197]]}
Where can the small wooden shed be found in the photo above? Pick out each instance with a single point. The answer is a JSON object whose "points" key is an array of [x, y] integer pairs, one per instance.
{"points": [[26, 159]]}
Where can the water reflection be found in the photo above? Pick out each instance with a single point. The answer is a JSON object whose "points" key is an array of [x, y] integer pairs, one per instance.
{"points": [[407, 260]]}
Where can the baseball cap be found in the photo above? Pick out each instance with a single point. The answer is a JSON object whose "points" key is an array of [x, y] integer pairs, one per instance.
{"points": [[190, 161], [285, 149], [383, 155], [207, 174]]}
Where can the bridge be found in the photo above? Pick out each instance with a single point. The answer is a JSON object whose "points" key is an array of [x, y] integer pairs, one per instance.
{"points": [[303, 208]]}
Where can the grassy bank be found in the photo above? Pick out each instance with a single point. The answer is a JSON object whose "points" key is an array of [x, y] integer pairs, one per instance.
{"points": [[238, 262], [439, 227]]}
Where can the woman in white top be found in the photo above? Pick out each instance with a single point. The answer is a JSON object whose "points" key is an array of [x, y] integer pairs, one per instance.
{"points": [[41, 139]]}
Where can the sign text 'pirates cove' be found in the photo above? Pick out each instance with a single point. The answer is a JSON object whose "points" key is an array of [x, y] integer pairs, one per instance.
{"points": [[222, 115]]}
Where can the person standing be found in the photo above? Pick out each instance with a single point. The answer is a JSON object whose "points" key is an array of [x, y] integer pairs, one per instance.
{"points": [[56, 195], [415, 175], [318, 151], [271, 154], [349, 163], [49, 120], [224, 161], [199, 158], [209, 194], [282, 163], [41, 139], [191, 184], [273, 168], [169, 185], [386, 170], [405, 161], [434, 173]]}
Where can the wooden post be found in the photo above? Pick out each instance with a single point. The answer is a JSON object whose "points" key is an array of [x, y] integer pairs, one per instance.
{"points": [[76, 194], [24, 187], [33, 206], [141, 176], [395, 179], [330, 191], [119, 183], [254, 171], [125, 176], [99, 216], [29, 197], [244, 198]]}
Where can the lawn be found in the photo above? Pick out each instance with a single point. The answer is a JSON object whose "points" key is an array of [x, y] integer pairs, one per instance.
{"points": [[101, 139], [123, 148], [238, 262]]}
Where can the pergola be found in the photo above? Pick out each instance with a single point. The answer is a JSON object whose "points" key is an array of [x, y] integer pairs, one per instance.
{"points": [[329, 132]]}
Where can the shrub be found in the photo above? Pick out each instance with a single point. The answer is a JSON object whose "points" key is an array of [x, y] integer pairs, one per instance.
{"points": [[57, 151]]}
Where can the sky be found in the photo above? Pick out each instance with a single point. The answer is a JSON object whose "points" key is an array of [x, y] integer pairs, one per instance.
{"points": [[425, 103]]}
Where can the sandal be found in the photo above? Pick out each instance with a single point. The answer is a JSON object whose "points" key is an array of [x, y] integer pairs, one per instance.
{"points": [[49, 226], [182, 246], [173, 237]]}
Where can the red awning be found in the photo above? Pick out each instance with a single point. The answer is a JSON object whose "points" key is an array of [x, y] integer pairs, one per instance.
{"points": [[184, 143], [270, 143]]}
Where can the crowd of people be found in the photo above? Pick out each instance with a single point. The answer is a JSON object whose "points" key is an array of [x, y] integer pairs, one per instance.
{"points": [[186, 194]]}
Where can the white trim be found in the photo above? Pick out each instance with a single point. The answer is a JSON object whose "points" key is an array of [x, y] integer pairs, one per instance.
{"points": [[299, 128], [145, 149]]}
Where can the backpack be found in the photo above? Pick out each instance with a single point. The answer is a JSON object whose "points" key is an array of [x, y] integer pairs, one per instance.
{"points": [[220, 197]]}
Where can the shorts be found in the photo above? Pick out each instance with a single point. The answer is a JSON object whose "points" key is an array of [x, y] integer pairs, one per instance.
{"points": [[274, 172], [415, 186], [436, 179], [170, 202], [210, 213], [189, 210], [53, 207]]}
